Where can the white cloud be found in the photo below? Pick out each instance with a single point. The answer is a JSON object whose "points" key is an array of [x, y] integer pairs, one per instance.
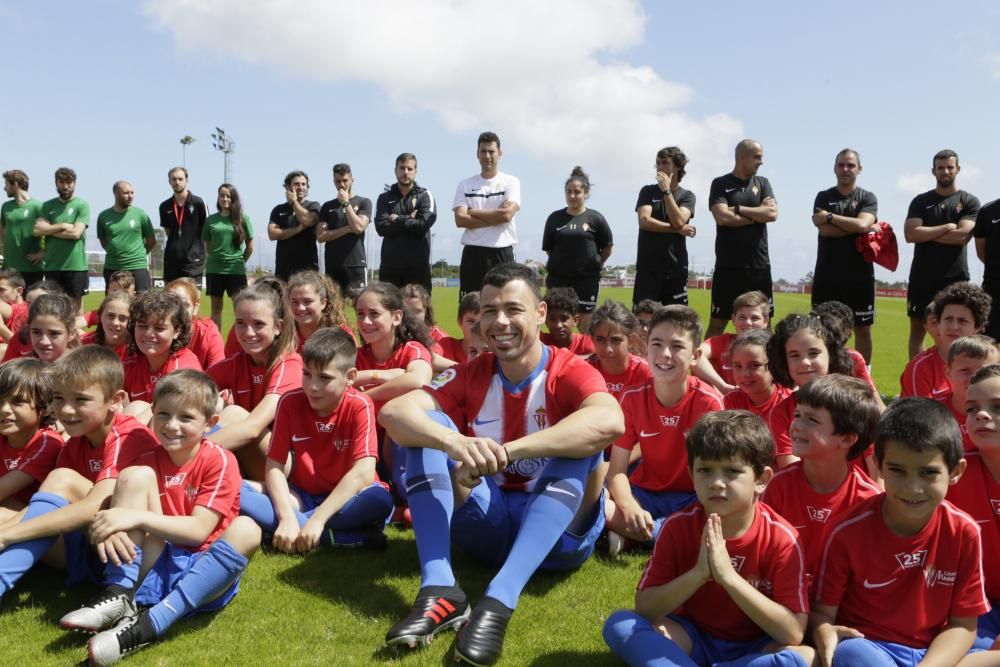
{"points": [[543, 74], [915, 182]]}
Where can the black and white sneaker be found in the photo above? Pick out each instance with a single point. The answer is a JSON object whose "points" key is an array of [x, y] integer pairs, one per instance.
{"points": [[105, 610], [110, 646], [437, 608]]}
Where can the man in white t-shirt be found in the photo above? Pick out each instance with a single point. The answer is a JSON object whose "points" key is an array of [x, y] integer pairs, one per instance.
{"points": [[485, 206]]}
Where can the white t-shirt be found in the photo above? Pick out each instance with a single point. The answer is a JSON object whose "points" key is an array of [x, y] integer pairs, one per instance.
{"points": [[484, 194]]}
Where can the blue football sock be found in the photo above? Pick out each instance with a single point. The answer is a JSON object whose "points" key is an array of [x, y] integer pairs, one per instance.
{"points": [[634, 639], [779, 659], [18, 558], [126, 574], [556, 499], [429, 493], [258, 506], [210, 576]]}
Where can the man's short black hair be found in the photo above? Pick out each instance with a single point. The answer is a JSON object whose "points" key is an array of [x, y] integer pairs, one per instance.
{"points": [[501, 274]]}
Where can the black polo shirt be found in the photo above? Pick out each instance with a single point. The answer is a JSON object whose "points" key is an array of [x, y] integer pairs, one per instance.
{"points": [[938, 259], [841, 254], [662, 251], [988, 227], [348, 250], [297, 253], [741, 247]]}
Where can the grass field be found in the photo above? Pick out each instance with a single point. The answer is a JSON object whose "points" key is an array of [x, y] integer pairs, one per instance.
{"points": [[334, 607]]}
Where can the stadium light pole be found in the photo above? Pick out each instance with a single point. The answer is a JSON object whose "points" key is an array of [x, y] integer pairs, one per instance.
{"points": [[225, 143], [186, 141]]}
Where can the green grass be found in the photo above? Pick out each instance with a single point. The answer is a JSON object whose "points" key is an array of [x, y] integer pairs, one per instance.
{"points": [[335, 607]]}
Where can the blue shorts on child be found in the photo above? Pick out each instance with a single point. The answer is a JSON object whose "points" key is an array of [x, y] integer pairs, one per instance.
{"points": [[82, 562], [172, 566]]}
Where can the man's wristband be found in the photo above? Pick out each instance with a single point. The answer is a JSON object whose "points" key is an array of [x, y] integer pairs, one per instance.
{"points": [[829, 218]]}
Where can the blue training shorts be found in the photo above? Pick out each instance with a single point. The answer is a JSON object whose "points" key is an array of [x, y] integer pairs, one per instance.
{"points": [[663, 503], [487, 523], [708, 650], [172, 565], [82, 562]]}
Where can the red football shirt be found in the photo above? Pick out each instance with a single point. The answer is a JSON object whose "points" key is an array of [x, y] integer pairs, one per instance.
{"points": [[780, 421], [249, 384], [959, 415], [127, 440], [483, 402], [902, 589], [206, 342], [402, 357], [325, 448], [451, 348], [18, 316], [739, 400], [16, 349], [578, 343], [636, 374], [36, 459], [925, 375], [140, 380], [660, 431], [977, 494], [211, 479], [721, 360], [810, 513], [768, 555]]}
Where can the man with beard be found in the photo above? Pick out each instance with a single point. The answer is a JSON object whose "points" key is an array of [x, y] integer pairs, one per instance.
{"points": [[293, 226], [17, 222], [404, 215], [938, 224], [183, 216], [61, 228], [842, 214], [342, 224], [126, 233]]}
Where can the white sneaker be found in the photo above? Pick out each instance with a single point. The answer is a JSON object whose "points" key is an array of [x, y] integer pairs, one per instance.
{"points": [[102, 612]]}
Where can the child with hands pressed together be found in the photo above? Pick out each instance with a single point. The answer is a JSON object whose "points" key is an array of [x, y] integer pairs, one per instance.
{"points": [[332, 495], [726, 581], [172, 539]]}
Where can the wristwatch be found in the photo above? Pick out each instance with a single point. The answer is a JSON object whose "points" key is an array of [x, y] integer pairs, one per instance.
{"points": [[829, 218]]}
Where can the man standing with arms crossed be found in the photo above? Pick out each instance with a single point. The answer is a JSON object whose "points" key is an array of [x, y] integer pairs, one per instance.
{"points": [[126, 233], [342, 224], [742, 204], [842, 214], [938, 224], [61, 228], [665, 210], [21, 250], [404, 215], [293, 226], [183, 216], [987, 234], [485, 206]]}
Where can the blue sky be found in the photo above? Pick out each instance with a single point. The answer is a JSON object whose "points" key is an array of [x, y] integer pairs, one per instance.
{"points": [[110, 87]]}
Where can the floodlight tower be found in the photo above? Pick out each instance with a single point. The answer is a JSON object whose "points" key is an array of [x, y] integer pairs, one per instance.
{"points": [[225, 143]]}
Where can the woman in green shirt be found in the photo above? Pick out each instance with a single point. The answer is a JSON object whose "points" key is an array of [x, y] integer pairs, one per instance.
{"points": [[228, 237]]}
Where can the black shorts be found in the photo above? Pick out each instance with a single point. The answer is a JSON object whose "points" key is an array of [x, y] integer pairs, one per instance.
{"points": [[74, 283], [586, 290], [858, 295], [727, 284], [218, 284], [404, 275], [922, 291], [30, 278], [476, 261], [666, 287], [350, 278], [143, 283]]}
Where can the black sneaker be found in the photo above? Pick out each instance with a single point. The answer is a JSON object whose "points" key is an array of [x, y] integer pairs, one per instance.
{"points": [[436, 608], [107, 609], [481, 640], [112, 645]]}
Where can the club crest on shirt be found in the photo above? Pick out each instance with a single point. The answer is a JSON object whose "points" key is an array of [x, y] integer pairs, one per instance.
{"points": [[915, 559], [443, 378], [191, 493], [996, 506], [95, 464], [737, 562], [325, 427], [525, 467], [765, 586], [340, 444], [958, 207], [174, 480], [670, 421], [754, 189], [820, 514], [540, 418]]}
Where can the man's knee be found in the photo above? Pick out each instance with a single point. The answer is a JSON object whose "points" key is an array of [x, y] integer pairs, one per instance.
{"points": [[244, 534]]}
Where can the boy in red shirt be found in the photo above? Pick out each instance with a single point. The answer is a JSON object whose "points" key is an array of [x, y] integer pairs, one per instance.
{"points": [[726, 581], [643, 312], [961, 309], [900, 578], [172, 539], [13, 307], [978, 491], [457, 349], [750, 311], [86, 398], [965, 357], [562, 317], [332, 495], [835, 419], [657, 415]]}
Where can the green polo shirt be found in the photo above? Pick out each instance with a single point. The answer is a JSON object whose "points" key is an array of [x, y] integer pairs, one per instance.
{"points": [[18, 234], [123, 235], [64, 254]]}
